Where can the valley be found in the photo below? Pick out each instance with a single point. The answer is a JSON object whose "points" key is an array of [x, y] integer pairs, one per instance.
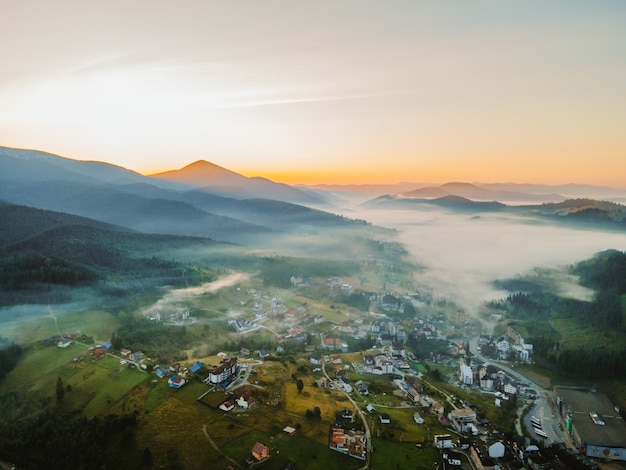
{"points": [[257, 332]]}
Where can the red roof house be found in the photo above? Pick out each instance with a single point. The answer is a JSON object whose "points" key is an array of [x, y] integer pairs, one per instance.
{"points": [[260, 452]]}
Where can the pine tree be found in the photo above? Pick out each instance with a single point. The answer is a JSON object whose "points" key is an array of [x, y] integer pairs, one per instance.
{"points": [[60, 391]]}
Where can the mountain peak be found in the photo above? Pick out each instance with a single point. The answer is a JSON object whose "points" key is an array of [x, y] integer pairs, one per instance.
{"points": [[201, 164], [202, 173]]}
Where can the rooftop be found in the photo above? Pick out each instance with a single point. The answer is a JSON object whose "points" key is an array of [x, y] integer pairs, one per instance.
{"points": [[582, 403]]}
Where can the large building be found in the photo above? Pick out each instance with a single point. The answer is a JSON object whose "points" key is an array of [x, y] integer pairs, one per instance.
{"points": [[594, 423], [225, 371]]}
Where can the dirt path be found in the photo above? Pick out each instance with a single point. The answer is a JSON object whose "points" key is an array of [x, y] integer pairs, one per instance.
{"points": [[214, 445]]}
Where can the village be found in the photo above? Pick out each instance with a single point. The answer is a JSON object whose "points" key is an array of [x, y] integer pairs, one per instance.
{"points": [[381, 391]]}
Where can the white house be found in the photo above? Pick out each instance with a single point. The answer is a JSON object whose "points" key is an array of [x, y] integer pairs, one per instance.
{"points": [[466, 376]]}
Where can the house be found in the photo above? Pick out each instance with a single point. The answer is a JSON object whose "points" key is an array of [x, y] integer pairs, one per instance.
{"points": [[413, 395], [466, 376], [443, 441], [503, 347], [437, 407], [125, 352], [227, 406], [337, 436], [99, 353], [335, 359], [332, 341], [106, 346], [370, 408], [390, 302], [362, 388], [385, 339], [159, 372], [384, 418], [176, 381], [345, 416], [136, 356], [464, 443], [323, 383], [315, 359], [383, 365], [64, 343], [262, 353], [196, 367], [260, 452], [418, 419], [289, 430], [510, 389], [348, 441], [496, 450], [397, 350], [462, 415], [244, 400]]}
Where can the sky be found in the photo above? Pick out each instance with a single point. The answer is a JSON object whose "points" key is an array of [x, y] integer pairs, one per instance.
{"points": [[352, 91]]}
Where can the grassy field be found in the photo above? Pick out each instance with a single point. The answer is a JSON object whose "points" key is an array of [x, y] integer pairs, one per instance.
{"points": [[96, 323], [284, 448], [390, 454], [93, 385], [39, 368]]}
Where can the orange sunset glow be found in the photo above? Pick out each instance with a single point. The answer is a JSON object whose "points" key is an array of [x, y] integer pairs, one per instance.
{"points": [[357, 92]]}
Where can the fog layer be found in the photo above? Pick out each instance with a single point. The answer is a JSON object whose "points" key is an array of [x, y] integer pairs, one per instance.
{"points": [[464, 254]]}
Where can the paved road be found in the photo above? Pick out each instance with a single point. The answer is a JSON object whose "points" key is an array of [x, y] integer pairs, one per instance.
{"points": [[544, 407]]}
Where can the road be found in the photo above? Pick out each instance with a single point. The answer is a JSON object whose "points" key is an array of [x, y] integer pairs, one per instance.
{"points": [[368, 434], [543, 407], [241, 381]]}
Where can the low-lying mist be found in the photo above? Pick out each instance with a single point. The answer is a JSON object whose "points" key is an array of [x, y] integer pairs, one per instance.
{"points": [[177, 296], [463, 253]]}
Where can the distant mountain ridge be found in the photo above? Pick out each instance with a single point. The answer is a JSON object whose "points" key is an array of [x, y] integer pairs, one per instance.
{"points": [[520, 193], [475, 192], [579, 211], [34, 165], [125, 198]]}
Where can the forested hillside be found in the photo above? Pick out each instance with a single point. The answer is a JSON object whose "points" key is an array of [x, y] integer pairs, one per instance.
{"points": [[62, 250], [598, 349]]}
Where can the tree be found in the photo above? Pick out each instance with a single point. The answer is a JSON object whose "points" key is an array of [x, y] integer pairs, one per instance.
{"points": [[147, 457], [116, 342], [317, 412], [300, 385], [60, 391]]}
